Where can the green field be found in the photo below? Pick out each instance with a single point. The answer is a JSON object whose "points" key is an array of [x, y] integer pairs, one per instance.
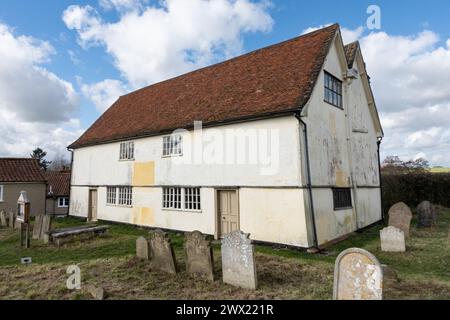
{"points": [[424, 270], [440, 170]]}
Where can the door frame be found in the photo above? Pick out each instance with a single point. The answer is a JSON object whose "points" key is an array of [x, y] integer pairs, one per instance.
{"points": [[89, 217], [217, 215]]}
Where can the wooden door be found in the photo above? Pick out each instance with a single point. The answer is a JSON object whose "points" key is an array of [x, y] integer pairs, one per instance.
{"points": [[228, 211], [92, 205]]}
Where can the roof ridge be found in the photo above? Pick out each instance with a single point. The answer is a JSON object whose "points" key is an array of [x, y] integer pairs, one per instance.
{"points": [[271, 46]]}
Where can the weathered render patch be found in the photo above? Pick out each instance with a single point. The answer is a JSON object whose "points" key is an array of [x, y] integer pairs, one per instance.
{"points": [[143, 216], [144, 173]]}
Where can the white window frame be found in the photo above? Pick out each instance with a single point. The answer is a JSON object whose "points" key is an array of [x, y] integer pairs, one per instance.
{"points": [[125, 196], [126, 152], [122, 196], [2, 189], [172, 145], [111, 194], [181, 199], [65, 202]]}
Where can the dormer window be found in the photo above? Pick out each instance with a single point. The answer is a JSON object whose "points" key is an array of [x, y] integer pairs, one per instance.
{"points": [[333, 90], [172, 145], [127, 150]]}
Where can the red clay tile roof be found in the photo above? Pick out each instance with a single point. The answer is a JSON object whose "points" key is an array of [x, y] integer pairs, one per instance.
{"points": [[58, 182], [20, 170], [350, 52], [273, 80]]}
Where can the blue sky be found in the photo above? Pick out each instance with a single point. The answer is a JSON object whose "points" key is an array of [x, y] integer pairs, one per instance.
{"points": [[84, 55]]}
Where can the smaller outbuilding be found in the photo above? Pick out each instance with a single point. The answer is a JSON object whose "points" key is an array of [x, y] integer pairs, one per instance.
{"points": [[58, 191], [22, 174]]}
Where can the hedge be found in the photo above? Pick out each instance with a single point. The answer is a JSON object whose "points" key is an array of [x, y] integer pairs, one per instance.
{"points": [[413, 188]]}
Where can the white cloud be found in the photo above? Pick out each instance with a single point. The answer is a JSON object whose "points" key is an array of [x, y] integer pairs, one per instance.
{"points": [[36, 106], [153, 43], [122, 5], [348, 35], [104, 93]]}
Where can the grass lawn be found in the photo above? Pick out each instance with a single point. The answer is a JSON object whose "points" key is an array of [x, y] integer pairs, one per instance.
{"points": [[424, 270]]}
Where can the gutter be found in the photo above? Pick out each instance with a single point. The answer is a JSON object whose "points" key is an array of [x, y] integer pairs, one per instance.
{"points": [[379, 178], [309, 184], [70, 183]]}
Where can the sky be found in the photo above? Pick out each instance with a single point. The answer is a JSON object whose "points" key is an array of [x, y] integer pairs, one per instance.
{"points": [[63, 63]]}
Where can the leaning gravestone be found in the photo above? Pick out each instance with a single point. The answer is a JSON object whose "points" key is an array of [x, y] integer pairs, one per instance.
{"points": [[46, 225], [3, 219], [392, 240], [427, 214], [37, 227], [199, 255], [357, 276], [142, 248], [162, 254], [12, 219], [238, 260], [400, 217]]}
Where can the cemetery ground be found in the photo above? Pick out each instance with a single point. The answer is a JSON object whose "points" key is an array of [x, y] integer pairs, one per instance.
{"points": [[109, 262]]}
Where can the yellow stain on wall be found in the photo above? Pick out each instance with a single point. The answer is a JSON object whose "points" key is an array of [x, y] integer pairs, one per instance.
{"points": [[341, 179], [144, 173], [143, 216]]}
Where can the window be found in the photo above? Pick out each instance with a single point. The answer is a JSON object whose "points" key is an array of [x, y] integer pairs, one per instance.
{"points": [[63, 202], [333, 90], [172, 145], [127, 150], [181, 198], [192, 198], [122, 196], [1, 193], [342, 198], [125, 196], [172, 198], [111, 195]]}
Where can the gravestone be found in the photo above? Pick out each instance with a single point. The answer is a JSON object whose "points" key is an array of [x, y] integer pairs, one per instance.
{"points": [[238, 260], [357, 276], [426, 215], [142, 248], [37, 227], [3, 219], [392, 240], [199, 255], [12, 219], [98, 293], [46, 225], [389, 275], [400, 217], [162, 254]]}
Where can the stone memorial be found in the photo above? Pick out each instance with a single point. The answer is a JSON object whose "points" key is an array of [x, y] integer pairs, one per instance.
{"points": [[162, 254], [426, 215], [357, 276], [392, 240], [142, 248], [3, 219], [400, 217], [46, 225], [37, 227], [12, 219], [199, 255], [238, 260]]}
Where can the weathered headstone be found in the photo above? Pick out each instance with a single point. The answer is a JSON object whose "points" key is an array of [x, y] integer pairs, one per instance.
{"points": [[357, 276], [389, 274], [142, 248], [392, 240], [162, 254], [98, 293], [199, 255], [238, 260], [3, 219], [400, 217], [37, 227], [46, 225], [426, 214], [12, 219]]}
